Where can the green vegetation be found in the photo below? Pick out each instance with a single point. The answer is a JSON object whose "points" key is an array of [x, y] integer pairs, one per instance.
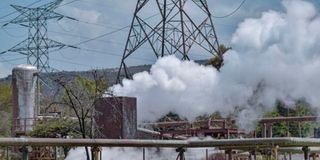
{"points": [[292, 129], [5, 110], [170, 117], [216, 61], [295, 129], [56, 128]]}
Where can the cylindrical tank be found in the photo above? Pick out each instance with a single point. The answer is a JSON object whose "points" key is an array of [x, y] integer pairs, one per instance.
{"points": [[24, 103]]}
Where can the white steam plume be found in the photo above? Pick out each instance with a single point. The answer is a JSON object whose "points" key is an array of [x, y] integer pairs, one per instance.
{"points": [[137, 153], [278, 51]]}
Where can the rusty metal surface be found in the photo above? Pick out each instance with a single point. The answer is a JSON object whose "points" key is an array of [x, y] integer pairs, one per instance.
{"points": [[234, 143], [116, 117]]}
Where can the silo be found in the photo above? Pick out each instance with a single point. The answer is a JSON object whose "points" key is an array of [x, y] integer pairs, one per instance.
{"points": [[24, 103]]}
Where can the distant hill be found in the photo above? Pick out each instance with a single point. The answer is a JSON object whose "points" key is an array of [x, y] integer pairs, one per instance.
{"points": [[110, 74]]}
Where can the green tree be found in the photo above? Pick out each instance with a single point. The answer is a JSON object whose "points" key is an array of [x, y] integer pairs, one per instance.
{"points": [[171, 117], [217, 61]]}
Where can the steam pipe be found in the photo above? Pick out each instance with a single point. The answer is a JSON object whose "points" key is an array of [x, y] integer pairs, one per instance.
{"points": [[155, 133], [263, 120], [234, 143]]}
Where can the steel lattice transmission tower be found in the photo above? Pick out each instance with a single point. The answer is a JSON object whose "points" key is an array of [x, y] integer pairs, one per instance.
{"points": [[36, 46], [176, 27]]}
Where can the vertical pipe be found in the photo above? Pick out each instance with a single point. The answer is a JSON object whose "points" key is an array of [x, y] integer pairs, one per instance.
{"points": [[290, 156], [207, 154], [299, 126], [314, 156], [25, 153], [144, 153], [96, 151], [264, 130], [7, 152], [101, 154], [55, 153], [181, 153], [270, 131], [228, 134], [228, 154], [274, 153], [288, 133], [306, 152], [285, 156]]}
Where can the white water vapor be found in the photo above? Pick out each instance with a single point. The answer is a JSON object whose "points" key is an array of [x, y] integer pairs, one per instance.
{"points": [[278, 51], [137, 153]]}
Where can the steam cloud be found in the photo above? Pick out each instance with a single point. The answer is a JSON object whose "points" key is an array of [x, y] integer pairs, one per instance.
{"points": [[274, 57], [137, 154], [278, 51]]}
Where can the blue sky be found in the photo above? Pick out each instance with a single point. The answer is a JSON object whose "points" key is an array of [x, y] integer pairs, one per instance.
{"points": [[106, 16]]}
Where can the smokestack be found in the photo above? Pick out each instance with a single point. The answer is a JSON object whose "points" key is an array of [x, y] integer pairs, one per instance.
{"points": [[24, 104]]}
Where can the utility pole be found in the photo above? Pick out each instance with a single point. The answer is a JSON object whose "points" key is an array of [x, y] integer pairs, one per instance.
{"points": [[173, 30]]}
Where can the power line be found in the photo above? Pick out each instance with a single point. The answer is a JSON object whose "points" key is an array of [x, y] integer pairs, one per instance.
{"points": [[100, 36], [109, 33], [11, 35], [68, 3], [96, 24], [84, 37], [10, 60], [71, 62], [233, 12], [117, 55], [11, 13]]}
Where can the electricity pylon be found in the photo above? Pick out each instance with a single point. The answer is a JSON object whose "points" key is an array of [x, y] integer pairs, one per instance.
{"points": [[36, 46], [176, 26]]}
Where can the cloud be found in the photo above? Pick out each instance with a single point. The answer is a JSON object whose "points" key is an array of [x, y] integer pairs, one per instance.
{"points": [[275, 56]]}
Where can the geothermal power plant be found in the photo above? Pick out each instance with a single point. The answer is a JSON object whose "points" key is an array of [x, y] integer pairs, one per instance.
{"points": [[54, 114], [118, 127]]}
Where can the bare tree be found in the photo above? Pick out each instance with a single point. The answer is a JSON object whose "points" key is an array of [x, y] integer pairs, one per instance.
{"points": [[80, 95]]}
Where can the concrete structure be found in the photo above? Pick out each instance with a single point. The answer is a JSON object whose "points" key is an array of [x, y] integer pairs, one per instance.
{"points": [[116, 117], [24, 103]]}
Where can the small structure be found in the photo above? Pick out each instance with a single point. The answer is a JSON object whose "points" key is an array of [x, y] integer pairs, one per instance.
{"points": [[24, 103], [215, 128], [116, 117]]}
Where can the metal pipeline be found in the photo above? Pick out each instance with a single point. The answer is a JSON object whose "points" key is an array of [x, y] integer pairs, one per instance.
{"points": [[155, 133], [232, 143]]}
